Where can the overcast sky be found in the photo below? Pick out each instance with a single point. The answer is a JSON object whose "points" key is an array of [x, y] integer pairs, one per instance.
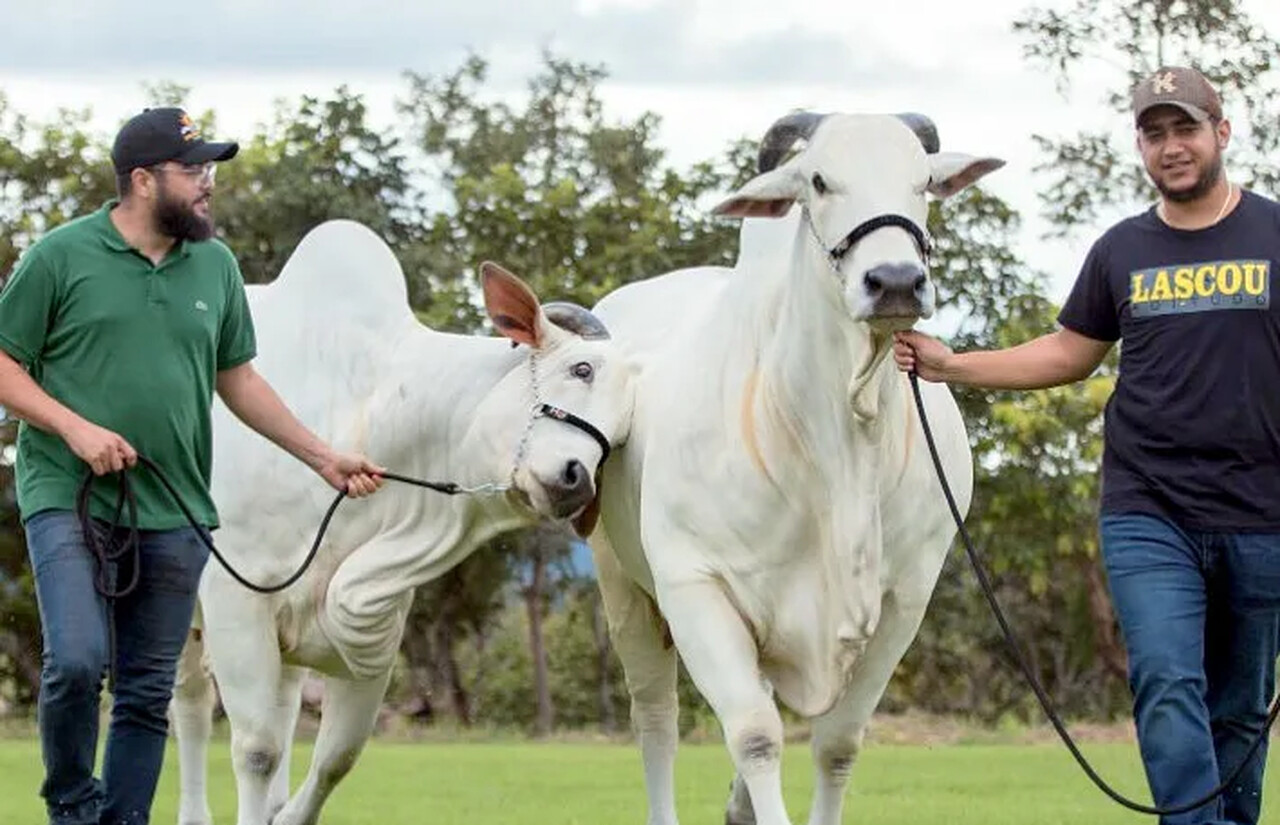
{"points": [[714, 70]]}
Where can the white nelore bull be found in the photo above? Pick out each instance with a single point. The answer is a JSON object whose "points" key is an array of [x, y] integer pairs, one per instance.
{"points": [[339, 342], [774, 517]]}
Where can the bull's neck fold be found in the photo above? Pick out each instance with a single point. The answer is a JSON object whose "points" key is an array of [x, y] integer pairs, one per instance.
{"points": [[823, 373], [371, 588], [816, 445]]}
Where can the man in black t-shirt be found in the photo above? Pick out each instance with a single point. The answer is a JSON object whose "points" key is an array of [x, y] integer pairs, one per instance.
{"points": [[1190, 511]]}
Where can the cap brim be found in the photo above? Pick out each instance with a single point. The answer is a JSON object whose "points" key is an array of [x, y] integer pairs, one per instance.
{"points": [[1194, 112], [205, 152]]}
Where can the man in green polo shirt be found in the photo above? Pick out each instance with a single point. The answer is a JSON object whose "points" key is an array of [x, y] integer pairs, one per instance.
{"points": [[115, 331]]}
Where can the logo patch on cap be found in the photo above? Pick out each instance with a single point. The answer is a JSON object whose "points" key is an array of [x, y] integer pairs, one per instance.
{"points": [[188, 129], [1163, 84]]}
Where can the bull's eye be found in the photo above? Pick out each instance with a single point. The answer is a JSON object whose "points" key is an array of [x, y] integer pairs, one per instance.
{"points": [[819, 185], [583, 370]]}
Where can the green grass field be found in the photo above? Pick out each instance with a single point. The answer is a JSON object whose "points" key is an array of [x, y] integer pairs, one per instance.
{"points": [[588, 784]]}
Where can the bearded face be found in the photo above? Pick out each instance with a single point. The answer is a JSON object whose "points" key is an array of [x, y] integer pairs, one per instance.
{"points": [[1183, 157], [181, 208]]}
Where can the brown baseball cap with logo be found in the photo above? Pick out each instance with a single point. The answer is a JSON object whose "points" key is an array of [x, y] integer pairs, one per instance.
{"points": [[1178, 86]]}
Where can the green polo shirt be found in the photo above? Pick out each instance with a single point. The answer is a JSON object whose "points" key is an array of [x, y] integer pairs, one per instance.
{"points": [[132, 347]]}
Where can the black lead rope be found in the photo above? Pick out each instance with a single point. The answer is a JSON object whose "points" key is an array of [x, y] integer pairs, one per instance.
{"points": [[105, 555], [126, 553], [100, 538], [1033, 680]]}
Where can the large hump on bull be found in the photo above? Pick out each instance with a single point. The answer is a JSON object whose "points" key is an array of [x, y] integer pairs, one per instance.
{"points": [[341, 268]]}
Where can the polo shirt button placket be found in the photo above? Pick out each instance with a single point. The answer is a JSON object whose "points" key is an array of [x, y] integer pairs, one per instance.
{"points": [[155, 287]]}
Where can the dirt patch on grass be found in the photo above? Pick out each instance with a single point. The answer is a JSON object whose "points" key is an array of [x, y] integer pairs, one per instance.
{"points": [[895, 729], [924, 729]]}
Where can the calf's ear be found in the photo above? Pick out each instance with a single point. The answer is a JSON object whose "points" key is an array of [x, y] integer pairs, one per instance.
{"points": [[512, 306]]}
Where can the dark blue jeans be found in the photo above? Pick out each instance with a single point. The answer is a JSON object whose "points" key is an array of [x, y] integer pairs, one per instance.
{"points": [[1200, 613], [151, 626]]}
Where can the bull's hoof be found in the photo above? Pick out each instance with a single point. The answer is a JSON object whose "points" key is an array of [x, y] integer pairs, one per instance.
{"points": [[198, 819]]}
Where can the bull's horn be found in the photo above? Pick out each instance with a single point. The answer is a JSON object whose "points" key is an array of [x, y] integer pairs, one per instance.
{"points": [[783, 134], [924, 129], [575, 319]]}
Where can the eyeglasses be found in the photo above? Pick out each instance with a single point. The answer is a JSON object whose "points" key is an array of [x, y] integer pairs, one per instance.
{"points": [[201, 172]]}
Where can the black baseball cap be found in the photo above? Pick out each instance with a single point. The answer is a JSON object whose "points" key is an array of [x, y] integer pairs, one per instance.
{"points": [[167, 133]]}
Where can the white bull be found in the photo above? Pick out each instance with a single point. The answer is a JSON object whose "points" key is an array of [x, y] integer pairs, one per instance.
{"points": [[774, 517], [339, 342]]}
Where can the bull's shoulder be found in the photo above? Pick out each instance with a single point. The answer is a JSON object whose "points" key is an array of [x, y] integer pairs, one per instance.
{"points": [[647, 315]]}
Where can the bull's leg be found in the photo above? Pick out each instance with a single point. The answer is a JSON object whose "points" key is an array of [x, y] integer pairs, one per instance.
{"points": [[290, 706], [347, 719], [837, 735], [648, 660], [192, 711], [738, 811], [720, 655], [245, 654]]}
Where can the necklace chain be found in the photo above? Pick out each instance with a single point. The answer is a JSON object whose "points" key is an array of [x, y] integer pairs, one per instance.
{"points": [[1164, 215]]}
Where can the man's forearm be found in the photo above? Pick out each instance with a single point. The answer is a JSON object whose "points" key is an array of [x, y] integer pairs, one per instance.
{"points": [[1048, 361], [23, 398], [1005, 370], [248, 395]]}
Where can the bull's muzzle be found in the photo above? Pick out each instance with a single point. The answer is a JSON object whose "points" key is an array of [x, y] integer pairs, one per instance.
{"points": [[896, 290], [571, 491]]}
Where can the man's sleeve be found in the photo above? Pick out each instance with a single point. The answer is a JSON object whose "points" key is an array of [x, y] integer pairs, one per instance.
{"points": [[28, 304], [1091, 308], [236, 340]]}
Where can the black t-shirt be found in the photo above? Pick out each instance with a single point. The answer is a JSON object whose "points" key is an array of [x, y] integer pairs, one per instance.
{"points": [[1193, 428]]}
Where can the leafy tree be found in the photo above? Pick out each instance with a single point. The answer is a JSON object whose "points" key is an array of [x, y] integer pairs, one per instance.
{"points": [[464, 602], [1093, 171], [572, 203], [49, 173], [320, 159]]}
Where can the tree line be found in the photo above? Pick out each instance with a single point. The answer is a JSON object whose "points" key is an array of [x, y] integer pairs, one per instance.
{"points": [[578, 204]]}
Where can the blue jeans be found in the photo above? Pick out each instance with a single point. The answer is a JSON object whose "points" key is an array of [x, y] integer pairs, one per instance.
{"points": [[151, 625], [1200, 614]]}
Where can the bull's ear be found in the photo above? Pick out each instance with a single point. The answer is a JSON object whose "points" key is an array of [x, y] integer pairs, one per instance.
{"points": [[512, 306], [769, 195], [952, 171]]}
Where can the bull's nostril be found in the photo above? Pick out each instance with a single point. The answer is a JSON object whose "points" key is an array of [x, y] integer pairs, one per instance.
{"points": [[921, 283], [574, 474], [873, 283]]}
